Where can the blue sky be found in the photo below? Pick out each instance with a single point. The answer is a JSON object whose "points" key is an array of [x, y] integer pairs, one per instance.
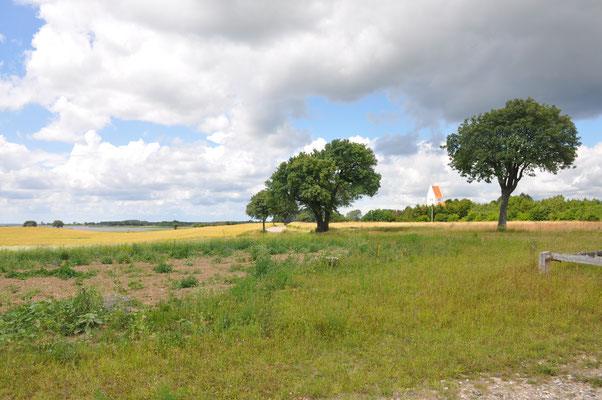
{"points": [[115, 111]]}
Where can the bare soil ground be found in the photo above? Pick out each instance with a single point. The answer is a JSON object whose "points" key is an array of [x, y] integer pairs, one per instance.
{"points": [[136, 280]]}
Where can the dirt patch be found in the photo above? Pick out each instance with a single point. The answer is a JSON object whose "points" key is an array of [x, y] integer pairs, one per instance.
{"points": [[579, 380], [520, 388], [137, 280]]}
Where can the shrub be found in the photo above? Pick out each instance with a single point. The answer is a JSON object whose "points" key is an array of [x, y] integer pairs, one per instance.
{"points": [[538, 213], [440, 218], [163, 268], [453, 217], [379, 215], [106, 260], [188, 282], [263, 265], [30, 223]]}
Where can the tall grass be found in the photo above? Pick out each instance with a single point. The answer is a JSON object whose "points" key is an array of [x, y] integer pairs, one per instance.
{"points": [[396, 310]]}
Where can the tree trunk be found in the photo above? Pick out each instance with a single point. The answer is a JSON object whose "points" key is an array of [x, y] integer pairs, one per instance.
{"points": [[501, 222], [263, 225], [326, 220], [320, 222]]}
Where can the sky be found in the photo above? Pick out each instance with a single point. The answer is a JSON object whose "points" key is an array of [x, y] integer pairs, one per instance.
{"points": [[115, 110]]}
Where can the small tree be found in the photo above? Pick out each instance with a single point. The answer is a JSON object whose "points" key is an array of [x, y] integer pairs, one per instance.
{"points": [[30, 223], [326, 180], [354, 215], [511, 142], [58, 224], [258, 207], [281, 207]]}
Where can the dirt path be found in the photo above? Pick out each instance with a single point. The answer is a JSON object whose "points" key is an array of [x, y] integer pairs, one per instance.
{"points": [[276, 229]]}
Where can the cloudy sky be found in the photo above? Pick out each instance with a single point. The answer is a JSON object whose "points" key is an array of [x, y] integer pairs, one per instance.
{"points": [[164, 110]]}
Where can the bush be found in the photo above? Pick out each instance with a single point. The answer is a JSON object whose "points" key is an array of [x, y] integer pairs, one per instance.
{"points": [[263, 265], [106, 260], [538, 213], [440, 218], [30, 223], [188, 282], [163, 268], [453, 217], [379, 216]]}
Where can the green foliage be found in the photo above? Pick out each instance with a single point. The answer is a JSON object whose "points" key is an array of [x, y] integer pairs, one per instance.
{"points": [[58, 224], [282, 208], [305, 216], [379, 215], [163, 268], [326, 180], [107, 259], [512, 142], [30, 223], [354, 215], [258, 207], [78, 314], [63, 272], [520, 208], [188, 282]]}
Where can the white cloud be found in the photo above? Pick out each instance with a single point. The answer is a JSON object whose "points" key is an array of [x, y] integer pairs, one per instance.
{"points": [[195, 181], [238, 71], [2, 38], [405, 180], [317, 144], [255, 64]]}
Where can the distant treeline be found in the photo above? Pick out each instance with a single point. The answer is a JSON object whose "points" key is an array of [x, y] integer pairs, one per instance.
{"points": [[520, 208], [137, 222]]}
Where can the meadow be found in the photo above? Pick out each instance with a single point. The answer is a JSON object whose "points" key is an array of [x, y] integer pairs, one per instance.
{"points": [[362, 312]]}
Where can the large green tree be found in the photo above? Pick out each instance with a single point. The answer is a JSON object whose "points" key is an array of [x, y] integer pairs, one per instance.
{"points": [[258, 207], [328, 179], [512, 142]]}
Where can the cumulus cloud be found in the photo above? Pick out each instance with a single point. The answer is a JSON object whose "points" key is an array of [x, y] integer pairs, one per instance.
{"points": [[256, 63], [238, 71], [406, 178], [197, 181]]}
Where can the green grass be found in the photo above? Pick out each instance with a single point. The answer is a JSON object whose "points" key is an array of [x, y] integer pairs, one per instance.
{"points": [[398, 309]]}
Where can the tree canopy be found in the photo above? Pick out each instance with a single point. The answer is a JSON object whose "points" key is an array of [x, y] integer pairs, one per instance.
{"points": [[328, 179], [512, 142], [58, 224], [282, 208], [258, 207]]}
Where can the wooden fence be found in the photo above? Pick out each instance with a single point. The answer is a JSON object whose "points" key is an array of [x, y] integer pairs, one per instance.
{"points": [[591, 258]]}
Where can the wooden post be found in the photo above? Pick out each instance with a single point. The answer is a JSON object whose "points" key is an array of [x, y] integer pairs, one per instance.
{"points": [[591, 258], [544, 261]]}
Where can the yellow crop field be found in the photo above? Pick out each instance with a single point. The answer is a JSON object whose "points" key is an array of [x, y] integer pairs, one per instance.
{"points": [[42, 236], [488, 225]]}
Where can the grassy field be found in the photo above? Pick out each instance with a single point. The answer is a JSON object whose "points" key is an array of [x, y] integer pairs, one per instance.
{"points": [[44, 236], [355, 313]]}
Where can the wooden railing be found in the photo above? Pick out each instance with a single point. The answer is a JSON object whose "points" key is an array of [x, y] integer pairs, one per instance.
{"points": [[583, 257]]}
